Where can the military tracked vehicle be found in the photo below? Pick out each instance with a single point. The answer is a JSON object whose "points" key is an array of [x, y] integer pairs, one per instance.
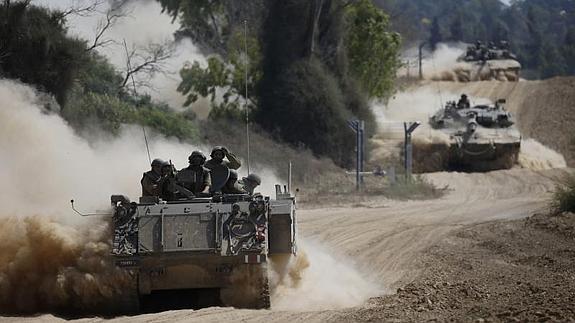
{"points": [[488, 62], [203, 251], [480, 137]]}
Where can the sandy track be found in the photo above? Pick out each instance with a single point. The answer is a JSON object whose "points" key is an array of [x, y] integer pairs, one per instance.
{"points": [[386, 240]]}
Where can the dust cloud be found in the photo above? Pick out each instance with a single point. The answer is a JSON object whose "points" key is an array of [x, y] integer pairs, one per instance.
{"points": [[49, 267], [50, 257], [317, 280], [440, 64], [413, 104], [536, 156]]}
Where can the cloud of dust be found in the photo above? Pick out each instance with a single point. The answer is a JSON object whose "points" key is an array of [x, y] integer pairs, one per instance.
{"points": [[536, 156], [317, 280], [414, 104], [52, 258], [144, 24], [440, 64], [47, 266]]}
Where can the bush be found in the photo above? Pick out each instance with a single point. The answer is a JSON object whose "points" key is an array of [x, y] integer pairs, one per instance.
{"points": [[306, 107], [104, 112], [34, 48], [564, 197]]}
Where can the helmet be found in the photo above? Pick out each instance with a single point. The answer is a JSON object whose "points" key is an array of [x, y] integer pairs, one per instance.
{"points": [[253, 178], [216, 148], [464, 96], [197, 153], [158, 162]]}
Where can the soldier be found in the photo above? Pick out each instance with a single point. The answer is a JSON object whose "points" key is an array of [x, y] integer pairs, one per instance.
{"points": [[151, 179], [232, 186], [463, 102], [250, 182], [218, 154], [170, 189], [195, 178]]}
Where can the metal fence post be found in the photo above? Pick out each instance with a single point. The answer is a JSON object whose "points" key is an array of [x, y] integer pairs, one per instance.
{"points": [[408, 148], [359, 128]]}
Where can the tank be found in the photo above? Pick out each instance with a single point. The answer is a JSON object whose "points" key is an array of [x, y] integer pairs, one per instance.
{"points": [[202, 251], [478, 138], [488, 62]]}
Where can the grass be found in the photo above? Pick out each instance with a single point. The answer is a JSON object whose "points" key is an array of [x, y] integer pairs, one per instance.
{"points": [[375, 190], [563, 199]]}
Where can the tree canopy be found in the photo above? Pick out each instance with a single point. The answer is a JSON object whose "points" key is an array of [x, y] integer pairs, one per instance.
{"points": [[312, 65], [537, 30]]}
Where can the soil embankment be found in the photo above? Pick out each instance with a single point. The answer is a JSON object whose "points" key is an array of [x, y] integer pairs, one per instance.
{"points": [[518, 270]]}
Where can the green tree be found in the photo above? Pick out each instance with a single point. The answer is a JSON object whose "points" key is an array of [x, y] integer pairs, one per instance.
{"points": [[373, 49], [456, 28], [227, 78], [435, 36], [315, 118], [34, 48], [568, 51]]}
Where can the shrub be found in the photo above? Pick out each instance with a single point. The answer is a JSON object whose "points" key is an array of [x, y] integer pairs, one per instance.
{"points": [[104, 112], [306, 107], [564, 197]]}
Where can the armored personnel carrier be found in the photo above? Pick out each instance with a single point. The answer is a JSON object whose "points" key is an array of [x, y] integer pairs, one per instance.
{"points": [[481, 137], [488, 62], [201, 251]]}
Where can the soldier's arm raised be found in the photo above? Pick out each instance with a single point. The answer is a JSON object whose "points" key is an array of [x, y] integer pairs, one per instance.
{"points": [[234, 162]]}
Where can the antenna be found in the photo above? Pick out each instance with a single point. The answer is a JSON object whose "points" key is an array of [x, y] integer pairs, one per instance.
{"points": [[85, 214], [134, 86], [246, 81]]}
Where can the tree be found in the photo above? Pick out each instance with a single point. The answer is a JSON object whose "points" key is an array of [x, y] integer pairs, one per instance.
{"points": [[331, 37], [211, 23], [456, 28], [147, 61], [34, 48], [435, 36], [568, 51], [372, 48], [225, 77]]}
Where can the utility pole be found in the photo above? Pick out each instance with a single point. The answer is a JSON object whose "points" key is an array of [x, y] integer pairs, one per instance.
{"points": [[408, 149], [421, 60], [358, 126]]}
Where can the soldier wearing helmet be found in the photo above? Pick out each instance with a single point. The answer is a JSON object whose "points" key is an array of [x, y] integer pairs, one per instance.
{"points": [[151, 179], [250, 182], [232, 186], [195, 178], [463, 102], [218, 154]]}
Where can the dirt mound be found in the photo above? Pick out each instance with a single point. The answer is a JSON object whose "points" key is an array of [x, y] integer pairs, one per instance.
{"points": [[499, 271]]}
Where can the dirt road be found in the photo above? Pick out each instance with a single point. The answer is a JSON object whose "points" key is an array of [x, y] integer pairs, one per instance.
{"points": [[384, 240]]}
